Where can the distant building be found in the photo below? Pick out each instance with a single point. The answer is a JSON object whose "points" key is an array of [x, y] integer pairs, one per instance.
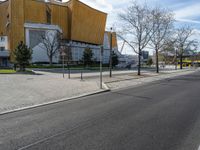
{"points": [[81, 26], [145, 55], [4, 53]]}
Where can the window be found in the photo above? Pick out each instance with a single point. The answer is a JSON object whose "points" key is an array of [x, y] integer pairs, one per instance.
{"points": [[2, 39], [48, 17], [2, 48]]}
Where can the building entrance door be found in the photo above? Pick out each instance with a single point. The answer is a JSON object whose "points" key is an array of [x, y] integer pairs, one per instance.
{"points": [[5, 62]]}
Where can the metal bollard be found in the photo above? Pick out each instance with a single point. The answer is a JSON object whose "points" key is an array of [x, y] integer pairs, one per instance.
{"points": [[69, 73], [81, 75]]}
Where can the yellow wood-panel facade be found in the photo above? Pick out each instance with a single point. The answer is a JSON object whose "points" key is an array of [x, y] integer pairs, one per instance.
{"points": [[3, 18], [114, 38], [88, 24], [17, 23], [70, 8], [60, 17], [78, 21], [35, 12]]}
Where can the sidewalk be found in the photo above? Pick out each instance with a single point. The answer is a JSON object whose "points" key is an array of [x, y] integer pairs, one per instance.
{"points": [[21, 91], [123, 79], [143, 79]]}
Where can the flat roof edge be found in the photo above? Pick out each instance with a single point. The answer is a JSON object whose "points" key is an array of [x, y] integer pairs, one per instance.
{"points": [[1, 2], [42, 26]]}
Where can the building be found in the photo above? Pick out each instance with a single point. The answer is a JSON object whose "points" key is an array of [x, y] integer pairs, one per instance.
{"points": [[80, 25], [145, 55], [4, 54]]}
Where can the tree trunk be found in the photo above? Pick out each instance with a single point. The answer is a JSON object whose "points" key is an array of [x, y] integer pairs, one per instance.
{"points": [[181, 61], [15, 67], [157, 63], [50, 61], [139, 62], [20, 68], [24, 67], [176, 63]]}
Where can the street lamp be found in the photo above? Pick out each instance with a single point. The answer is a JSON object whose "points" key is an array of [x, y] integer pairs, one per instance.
{"points": [[110, 67]]}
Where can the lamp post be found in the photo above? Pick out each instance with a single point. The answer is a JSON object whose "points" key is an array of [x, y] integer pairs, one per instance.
{"points": [[110, 66]]}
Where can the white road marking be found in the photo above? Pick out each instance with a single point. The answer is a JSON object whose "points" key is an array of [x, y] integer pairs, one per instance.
{"points": [[199, 147]]}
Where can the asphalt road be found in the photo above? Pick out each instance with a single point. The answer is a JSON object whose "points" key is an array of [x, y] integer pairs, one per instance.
{"points": [[163, 115]]}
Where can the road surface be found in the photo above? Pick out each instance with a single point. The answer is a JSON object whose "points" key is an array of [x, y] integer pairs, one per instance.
{"points": [[163, 115]]}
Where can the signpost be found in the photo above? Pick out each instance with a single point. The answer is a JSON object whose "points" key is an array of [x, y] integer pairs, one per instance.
{"points": [[110, 67], [63, 61], [101, 59]]}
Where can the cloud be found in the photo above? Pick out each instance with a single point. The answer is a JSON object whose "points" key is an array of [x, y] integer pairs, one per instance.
{"points": [[188, 21], [102, 5], [188, 12]]}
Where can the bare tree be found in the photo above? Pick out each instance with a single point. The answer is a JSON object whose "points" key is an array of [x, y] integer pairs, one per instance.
{"points": [[51, 43], [193, 50], [183, 42], [169, 51], [67, 50], [136, 25], [162, 25]]}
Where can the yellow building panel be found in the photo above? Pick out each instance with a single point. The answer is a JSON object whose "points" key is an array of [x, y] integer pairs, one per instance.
{"points": [[3, 17], [114, 38], [60, 18], [69, 4], [35, 12], [17, 23], [88, 24], [78, 21]]}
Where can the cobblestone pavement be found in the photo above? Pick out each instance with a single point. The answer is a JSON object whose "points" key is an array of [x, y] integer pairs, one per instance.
{"points": [[18, 91]]}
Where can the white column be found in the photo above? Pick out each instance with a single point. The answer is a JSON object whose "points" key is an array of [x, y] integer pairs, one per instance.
{"points": [[27, 37]]}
